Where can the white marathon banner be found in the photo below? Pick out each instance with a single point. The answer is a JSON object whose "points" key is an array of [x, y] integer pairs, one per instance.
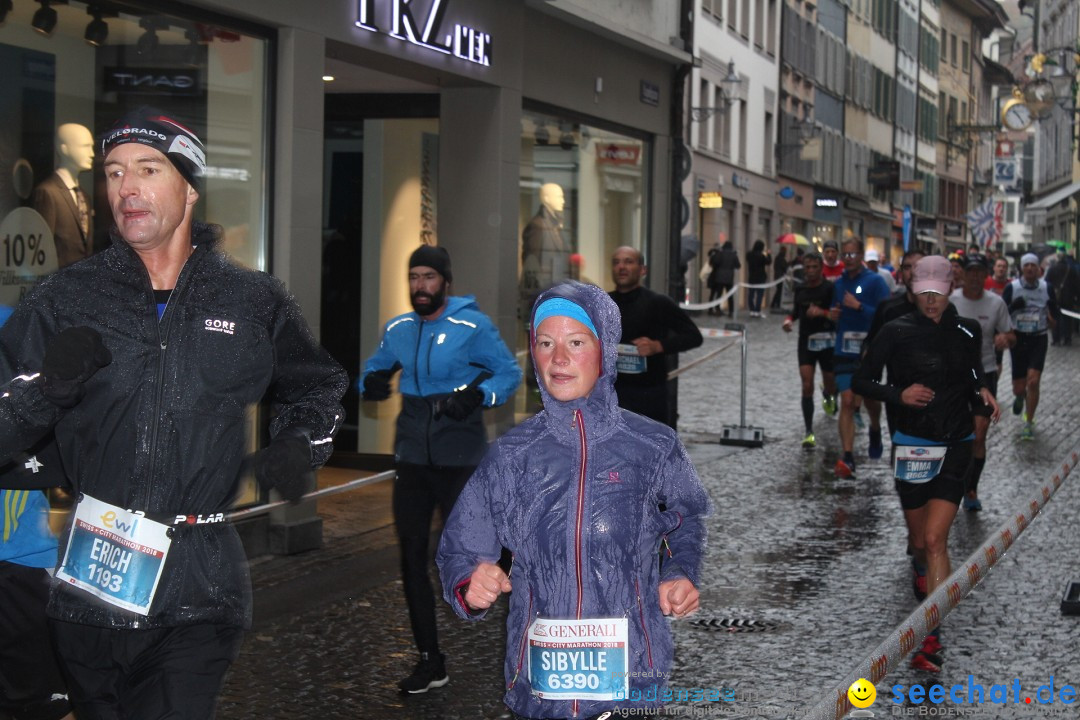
{"points": [[579, 659]]}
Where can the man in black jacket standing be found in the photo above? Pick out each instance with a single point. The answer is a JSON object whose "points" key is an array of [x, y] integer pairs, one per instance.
{"points": [[653, 328], [154, 594]]}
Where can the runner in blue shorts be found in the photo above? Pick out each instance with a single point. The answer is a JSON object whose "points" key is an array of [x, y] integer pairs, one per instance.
{"points": [[856, 295]]}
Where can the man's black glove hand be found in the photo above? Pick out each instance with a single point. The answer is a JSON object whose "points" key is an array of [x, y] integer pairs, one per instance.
{"points": [[285, 465], [377, 385], [1017, 304], [71, 358], [460, 404]]}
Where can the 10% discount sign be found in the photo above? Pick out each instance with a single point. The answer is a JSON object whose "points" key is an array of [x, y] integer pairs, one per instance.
{"points": [[27, 253]]}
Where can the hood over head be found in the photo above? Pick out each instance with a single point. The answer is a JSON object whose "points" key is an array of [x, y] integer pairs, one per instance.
{"points": [[602, 402]]}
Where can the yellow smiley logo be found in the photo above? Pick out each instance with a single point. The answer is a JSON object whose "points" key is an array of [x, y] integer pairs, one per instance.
{"points": [[862, 693]]}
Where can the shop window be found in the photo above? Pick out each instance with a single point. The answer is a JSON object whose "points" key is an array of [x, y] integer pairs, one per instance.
{"points": [[69, 74], [582, 194], [95, 64]]}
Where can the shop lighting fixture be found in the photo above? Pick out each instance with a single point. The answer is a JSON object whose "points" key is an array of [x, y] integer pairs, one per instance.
{"points": [[97, 29], [5, 8], [732, 80], [328, 78], [148, 42], [542, 135], [567, 141], [191, 55], [44, 19]]}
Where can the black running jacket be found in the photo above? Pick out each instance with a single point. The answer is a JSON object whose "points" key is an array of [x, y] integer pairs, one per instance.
{"points": [[164, 428]]}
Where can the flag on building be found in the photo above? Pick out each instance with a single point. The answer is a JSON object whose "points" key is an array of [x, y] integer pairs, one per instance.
{"points": [[985, 223]]}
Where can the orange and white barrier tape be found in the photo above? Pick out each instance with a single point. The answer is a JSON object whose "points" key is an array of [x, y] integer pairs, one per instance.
{"points": [[941, 602]]}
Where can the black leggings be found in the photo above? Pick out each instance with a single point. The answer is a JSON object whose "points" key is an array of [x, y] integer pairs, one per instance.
{"points": [[417, 490]]}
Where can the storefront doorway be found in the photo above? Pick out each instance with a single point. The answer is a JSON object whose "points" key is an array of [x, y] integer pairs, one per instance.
{"points": [[380, 189]]}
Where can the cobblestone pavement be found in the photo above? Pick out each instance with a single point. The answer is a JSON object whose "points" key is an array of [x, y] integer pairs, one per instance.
{"points": [[816, 565]]}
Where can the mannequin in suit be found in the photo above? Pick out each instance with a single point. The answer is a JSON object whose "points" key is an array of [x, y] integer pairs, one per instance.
{"points": [[58, 197]]}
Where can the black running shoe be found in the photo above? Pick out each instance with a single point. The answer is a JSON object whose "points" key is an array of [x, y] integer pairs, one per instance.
{"points": [[429, 673]]}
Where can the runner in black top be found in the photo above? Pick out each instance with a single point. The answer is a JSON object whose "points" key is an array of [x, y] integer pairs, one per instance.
{"points": [[935, 380], [816, 339]]}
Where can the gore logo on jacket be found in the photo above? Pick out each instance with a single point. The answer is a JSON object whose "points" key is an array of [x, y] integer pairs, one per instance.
{"points": [[218, 325]]}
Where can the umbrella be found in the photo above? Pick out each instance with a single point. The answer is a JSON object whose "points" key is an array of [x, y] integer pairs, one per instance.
{"points": [[792, 239]]}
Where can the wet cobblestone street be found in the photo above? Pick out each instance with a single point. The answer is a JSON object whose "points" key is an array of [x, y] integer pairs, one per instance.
{"points": [[814, 564]]}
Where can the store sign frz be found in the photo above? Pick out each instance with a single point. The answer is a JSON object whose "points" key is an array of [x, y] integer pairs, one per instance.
{"points": [[406, 20]]}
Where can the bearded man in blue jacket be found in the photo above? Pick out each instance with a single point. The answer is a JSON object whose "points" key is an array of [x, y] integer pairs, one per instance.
{"points": [[453, 365]]}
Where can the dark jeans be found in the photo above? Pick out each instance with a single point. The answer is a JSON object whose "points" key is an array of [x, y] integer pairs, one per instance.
{"points": [[778, 293], [1063, 331], [417, 490], [757, 295]]}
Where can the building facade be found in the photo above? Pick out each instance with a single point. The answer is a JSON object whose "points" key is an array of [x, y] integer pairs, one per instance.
{"points": [[340, 139], [732, 125]]}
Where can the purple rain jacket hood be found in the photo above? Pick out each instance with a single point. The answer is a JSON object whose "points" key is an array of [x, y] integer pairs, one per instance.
{"points": [[575, 494]]}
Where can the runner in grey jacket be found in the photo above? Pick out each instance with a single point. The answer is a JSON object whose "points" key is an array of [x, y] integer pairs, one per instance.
{"points": [[584, 495]]}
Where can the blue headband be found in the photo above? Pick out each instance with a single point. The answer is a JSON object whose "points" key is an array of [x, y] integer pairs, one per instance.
{"points": [[557, 306]]}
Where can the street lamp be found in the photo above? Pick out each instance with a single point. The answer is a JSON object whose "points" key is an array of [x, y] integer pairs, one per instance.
{"points": [[808, 134], [732, 79], [1055, 80]]}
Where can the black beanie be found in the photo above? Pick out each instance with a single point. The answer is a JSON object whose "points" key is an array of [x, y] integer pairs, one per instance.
{"points": [[152, 127], [434, 257]]}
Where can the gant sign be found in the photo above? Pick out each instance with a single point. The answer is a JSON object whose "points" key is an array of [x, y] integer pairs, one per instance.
{"points": [[409, 21]]}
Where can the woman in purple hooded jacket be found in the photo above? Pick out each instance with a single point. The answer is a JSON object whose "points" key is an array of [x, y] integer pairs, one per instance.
{"points": [[584, 495]]}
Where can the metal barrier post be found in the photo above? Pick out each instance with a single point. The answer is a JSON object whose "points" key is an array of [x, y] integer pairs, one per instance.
{"points": [[742, 434]]}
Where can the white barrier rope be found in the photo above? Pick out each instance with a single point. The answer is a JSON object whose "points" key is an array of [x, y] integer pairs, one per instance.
{"points": [[723, 298], [325, 492], [886, 656], [694, 363]]}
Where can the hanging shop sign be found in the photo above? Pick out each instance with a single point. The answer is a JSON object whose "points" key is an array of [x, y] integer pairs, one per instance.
{"points": [[403, 20], [650, 94], [953, 229], [710, 200], [616, 154]]}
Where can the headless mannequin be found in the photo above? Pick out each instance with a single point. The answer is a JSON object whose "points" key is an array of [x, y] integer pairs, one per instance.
{"points": [[55, 200]]}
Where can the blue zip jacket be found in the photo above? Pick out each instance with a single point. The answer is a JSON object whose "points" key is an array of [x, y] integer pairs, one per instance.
{"points": [[870, 289], [26, 537], [575, 494], [436, 358]]}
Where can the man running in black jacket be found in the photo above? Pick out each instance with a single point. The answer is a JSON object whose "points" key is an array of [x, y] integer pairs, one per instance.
{"points": [[152, 594]]}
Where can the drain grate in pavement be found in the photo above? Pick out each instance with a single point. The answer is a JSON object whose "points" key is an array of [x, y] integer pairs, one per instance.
{"points": [[737, 625]]}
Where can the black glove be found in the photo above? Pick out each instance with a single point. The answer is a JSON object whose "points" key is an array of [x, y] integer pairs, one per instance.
{"points": [[459, 405], [377, 385], [285, 465], [1017, 304], [71, 358]]}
